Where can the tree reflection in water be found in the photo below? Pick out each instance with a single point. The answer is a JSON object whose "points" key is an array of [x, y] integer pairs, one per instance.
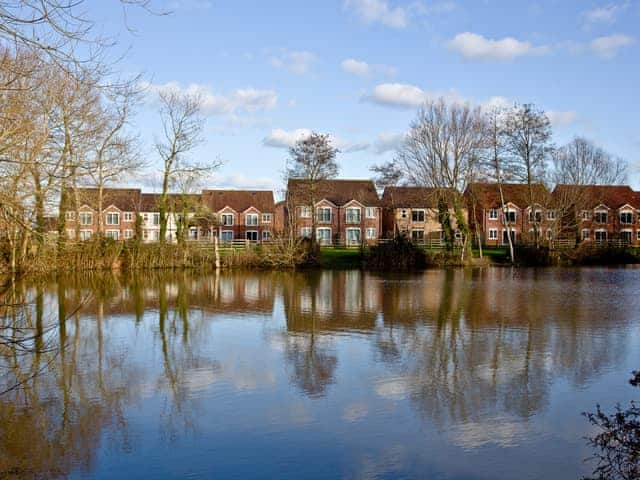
{"points": [[462, 346]]}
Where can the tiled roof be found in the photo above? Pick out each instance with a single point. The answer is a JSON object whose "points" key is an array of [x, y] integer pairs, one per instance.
{"points": [[487, 195], [175, 201], [125, 199], [590, 196], [239, 200], [338, 192], [413, 197]]}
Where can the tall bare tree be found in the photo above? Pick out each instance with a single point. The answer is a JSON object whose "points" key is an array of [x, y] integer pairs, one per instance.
{"points": [[312, 159], [581, 162], [527, 139]]}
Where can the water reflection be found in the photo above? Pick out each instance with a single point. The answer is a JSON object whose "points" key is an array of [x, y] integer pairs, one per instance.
{"points": [[475, 354]]}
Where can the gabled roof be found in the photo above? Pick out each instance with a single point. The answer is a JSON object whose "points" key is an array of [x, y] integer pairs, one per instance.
{"points": [[591, 196], [487, 195], [125, 199], [414, 197], [338, 192], [175, 201], [239, 200]]}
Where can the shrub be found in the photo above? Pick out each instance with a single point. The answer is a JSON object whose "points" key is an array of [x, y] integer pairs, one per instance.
{"points": [[400, 254]]}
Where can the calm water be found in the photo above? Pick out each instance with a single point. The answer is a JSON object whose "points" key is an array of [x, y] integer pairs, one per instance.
{"points": [[445, 375]]}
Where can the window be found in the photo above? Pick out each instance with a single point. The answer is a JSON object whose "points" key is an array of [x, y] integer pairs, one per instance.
{"points": [[549, 234], [371, 234], [600, 217], [305, 212], [353, 215], [145, 234], [251, 219], [324, 214], [227, 219], [403, 213], [417, 236], [417, 215], [114, 234], [493, 234], [493, 214], [128, 234], [156, 219], [505, 237], [86, 218], [113, 219], [510, 216], [535, 216], [71, 233], [70, 216], [226, 235], [353, 236], [266, 235], [601, 235], [585, 234], [128, 216], [626, 217], [145, 218], [252, 235], [370, 212], [305, 232], [85, 234], [266, 218], [323, 235], [193, 233], [156, 235], [551, 214], [626, 235], [638, 235]]}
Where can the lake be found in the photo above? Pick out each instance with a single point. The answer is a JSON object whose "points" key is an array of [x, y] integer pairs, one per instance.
{"points": [[446, 374]]}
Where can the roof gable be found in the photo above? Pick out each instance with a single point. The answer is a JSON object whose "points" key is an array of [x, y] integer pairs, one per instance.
{"points": [[337, 191]]}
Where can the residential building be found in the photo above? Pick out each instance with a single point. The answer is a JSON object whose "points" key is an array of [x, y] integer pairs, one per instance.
{"points": [[519, 217], [413, 212], [599, 213], [346, 211]]}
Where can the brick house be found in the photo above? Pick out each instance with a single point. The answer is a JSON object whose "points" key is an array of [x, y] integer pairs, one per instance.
{"points": [[241, 214], [598, 213], [413, 212], [115, 215], [518, 218], [346, 211], [178, 205]]}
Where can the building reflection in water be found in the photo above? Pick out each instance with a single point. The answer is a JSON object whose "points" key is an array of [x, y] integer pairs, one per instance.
{"points": [[460, 345]]}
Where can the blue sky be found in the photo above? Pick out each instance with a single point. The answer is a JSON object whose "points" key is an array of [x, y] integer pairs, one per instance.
{"points": [[357, 69]]}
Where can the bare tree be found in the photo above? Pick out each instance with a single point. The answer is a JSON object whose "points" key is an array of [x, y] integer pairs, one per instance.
{"points": [[312, 159], [182, 126], [527, 139], [441, 152], [581, 162]]}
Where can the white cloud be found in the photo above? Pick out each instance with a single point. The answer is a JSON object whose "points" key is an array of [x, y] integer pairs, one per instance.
{"points": [[299, 63], [608, 46], [476, 47], [280, 138], [190, 5], [239, 100], [559, 119], [387, 142], [605, 15], [364, 69], [379, 11], [402, 95]]}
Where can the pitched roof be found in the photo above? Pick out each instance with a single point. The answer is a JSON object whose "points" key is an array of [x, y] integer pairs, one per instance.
{"points": [[176, 201], [488, 194], [239, 200], [125, 199], [590, 196], [413, 197], [338, 192]]}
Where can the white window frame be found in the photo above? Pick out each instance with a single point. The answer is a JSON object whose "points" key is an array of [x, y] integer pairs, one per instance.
{"points": [[251, 220], [305, 232], [156, 219], [370, 212], [353, 229], [226, 233], [305, 212], [109, 218], [254, 233], [585, 234], [70, 215], [413, 232], [551, 215], [128, 234], [493, 214], [323, 240], [145, 234], [224, 222], [371, 233], [586, 215], [347, 215], [266, 235], [493, 234], [419, 210], [87, 234], [506, 213], [403, 213], [266, 217], [83, 215], [626, 212], [638, 235], [600, 212], [128, 216], [320, 216], [71, 233], [601, 230], [114, 234]]}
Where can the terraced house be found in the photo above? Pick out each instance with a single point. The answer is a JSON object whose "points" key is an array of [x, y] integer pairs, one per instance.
{"points": [[599, 213], [347, 212], [413, 212]]}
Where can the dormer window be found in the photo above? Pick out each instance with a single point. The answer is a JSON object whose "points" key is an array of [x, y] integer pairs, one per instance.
{"points": [[626, 218]]}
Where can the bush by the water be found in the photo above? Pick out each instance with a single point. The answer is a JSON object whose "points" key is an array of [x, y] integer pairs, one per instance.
{"points": [[398, 254], [586, 254]]}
